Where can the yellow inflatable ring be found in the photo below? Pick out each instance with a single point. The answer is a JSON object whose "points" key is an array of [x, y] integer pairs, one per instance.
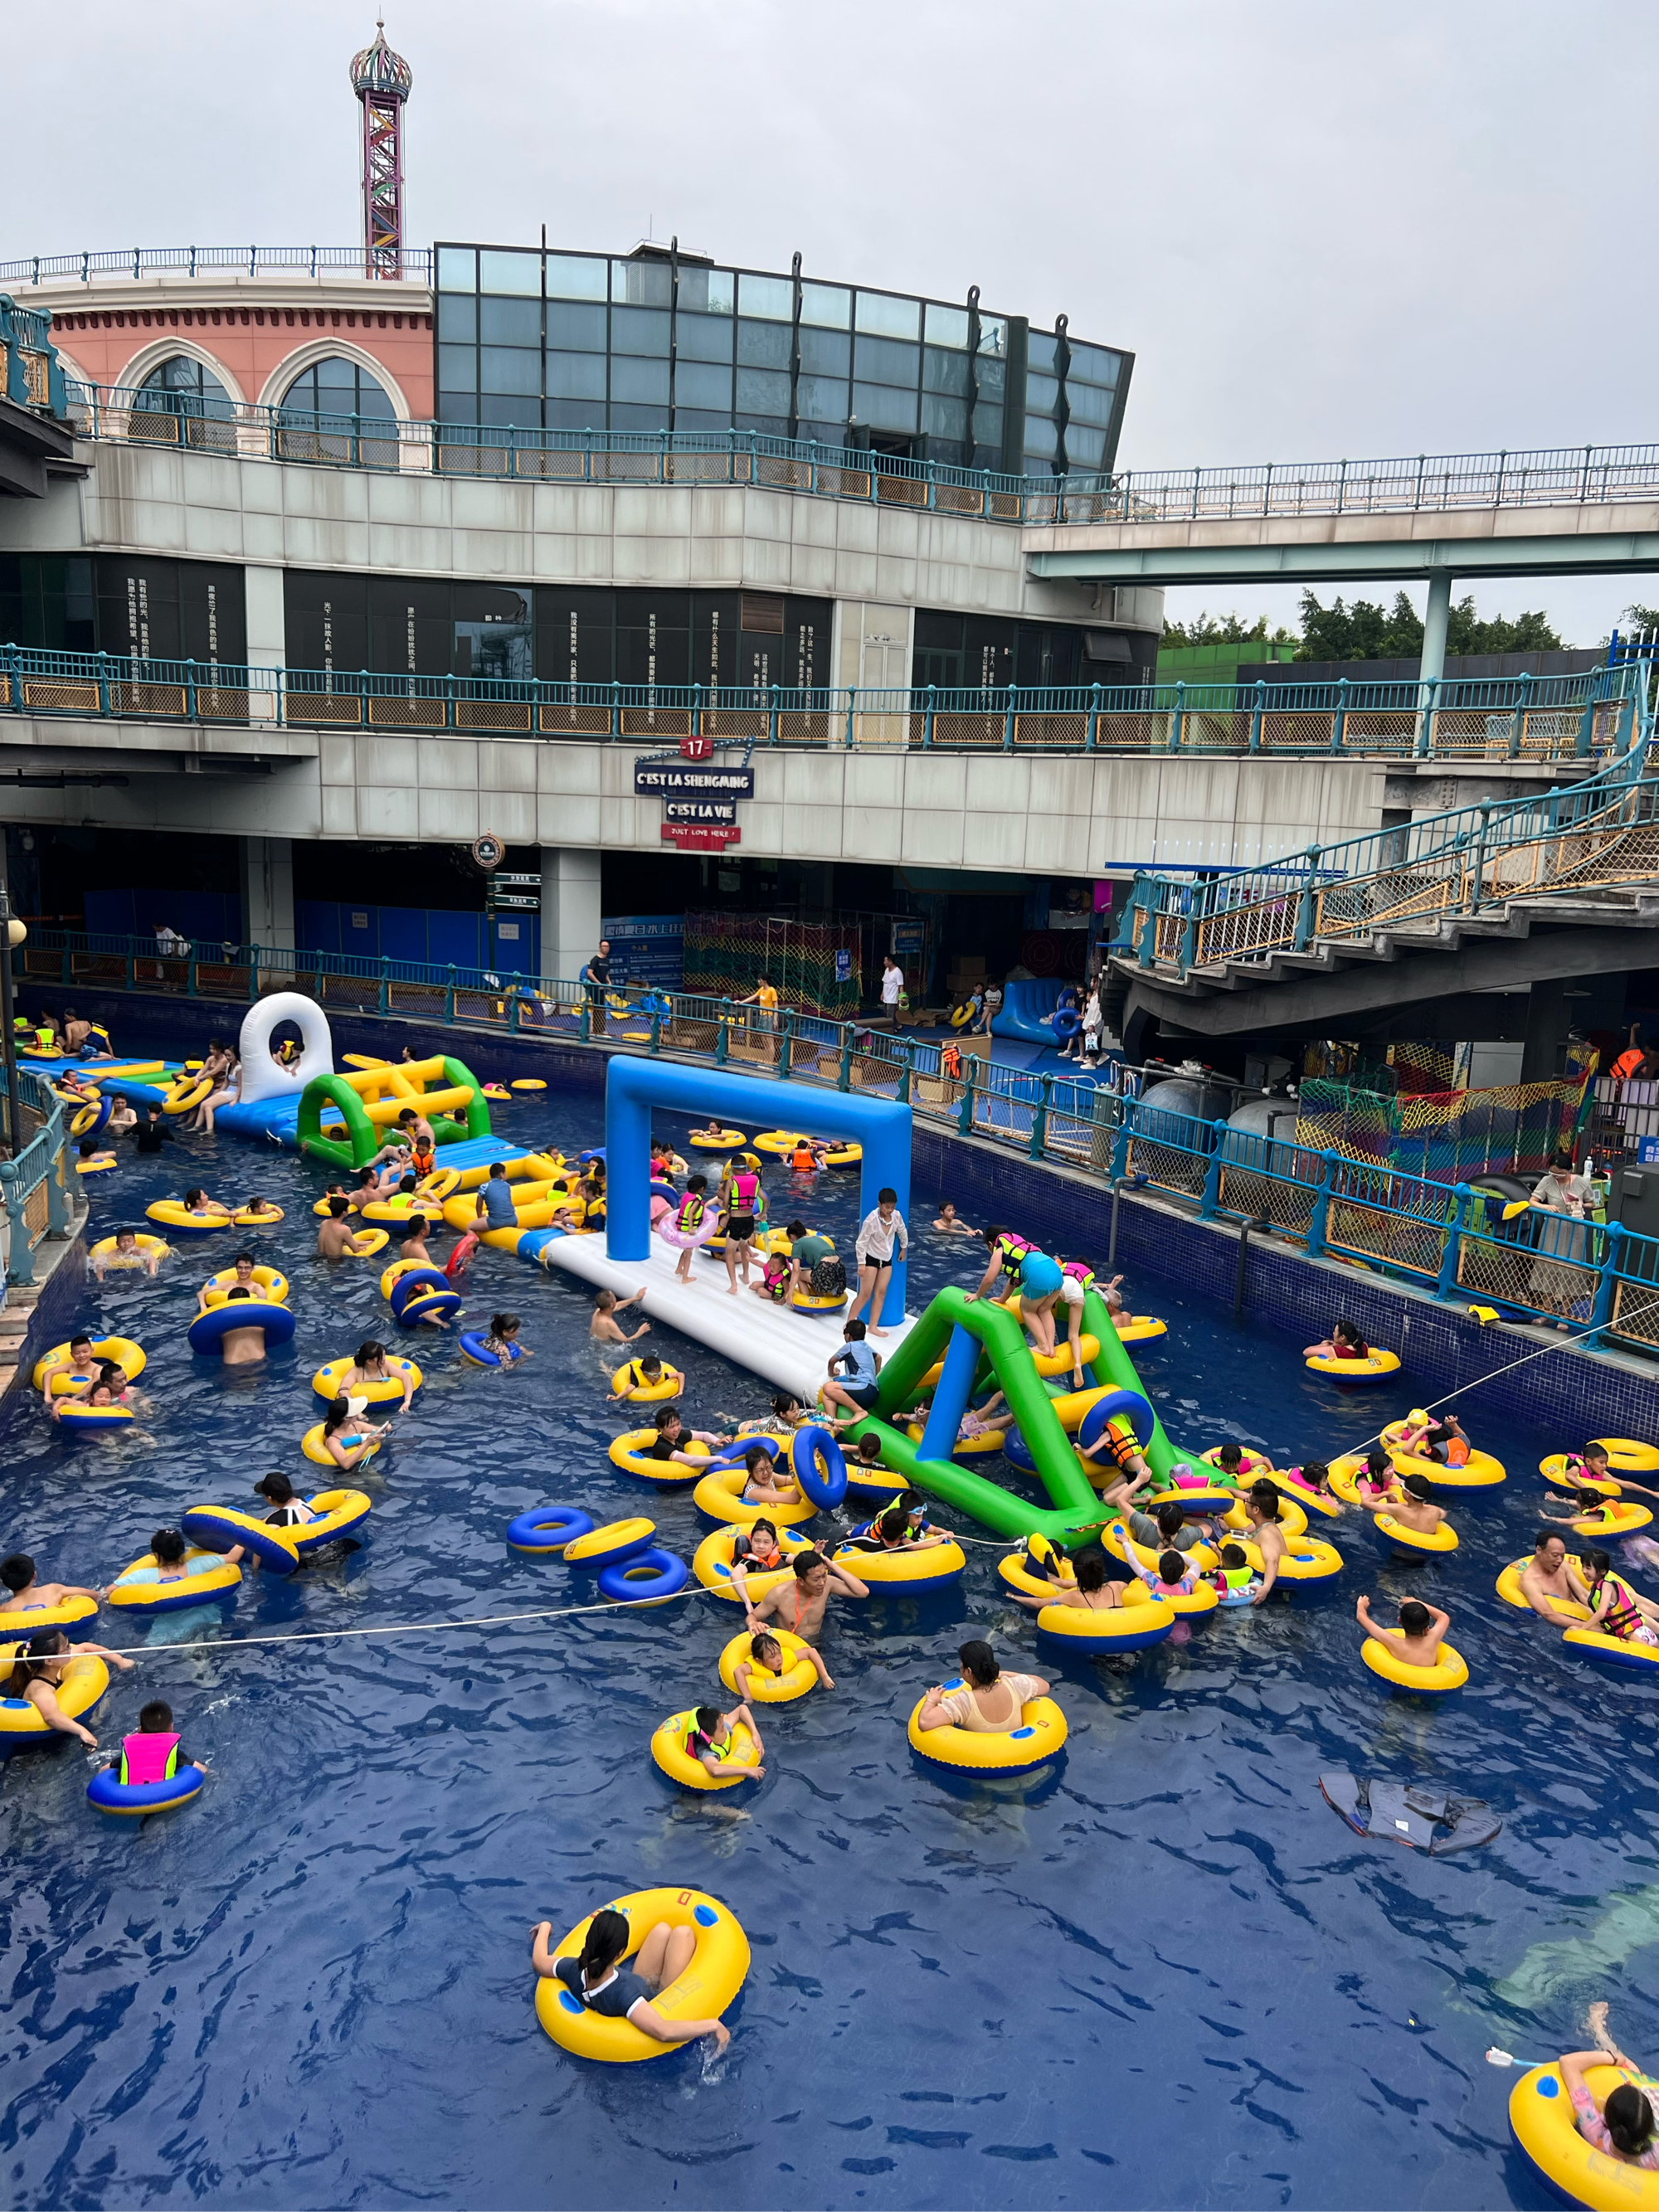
{"points": [[404, 1207], [1040, 1736], [1449, 1671], [1629, 1455], [127, 1354], [646, 1393], [843, 1156], [1509, 1588], [181, 1097], [173, 1213], [25, 1619], [631, 1452], [499, 1092], [1613, 1518], [1292, 1520], [719, 1495], [1368, 1370], [312, 1446], [1554, 1469], [440, 1184], [137, 1589], [705, 1988], [90, 1116], [798, 1677], [527, 1083], [1284, 1482], [1137, 1621], [1542, 2121], [711, 1564], [1344, 1478], [328, 1381], [1481, 1472], [1018, 1575], [1615, 1650], [703, 1143], [142, 1246], [1141, 1330], [374, 1241], [244, 1220], [803, 1300], [613, 1545], [909, 1566], [83, 1682], [270, 1280], [1306, 1558], [398, 1267], [988, 1441], [1251, 1464], [961, 1015], [334, 1513], [668, 1748], [1435, 1545], [97, 1166]]}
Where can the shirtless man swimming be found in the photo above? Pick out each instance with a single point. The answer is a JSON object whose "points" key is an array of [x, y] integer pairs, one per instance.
{"points": [[1550, 1574], [24, 1593], [336, 1239], [1261, 1507], [604, 1324], [798, 1606]]}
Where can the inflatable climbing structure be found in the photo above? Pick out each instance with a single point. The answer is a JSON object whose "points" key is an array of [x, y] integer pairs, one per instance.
{"points": [[345, 1119]]}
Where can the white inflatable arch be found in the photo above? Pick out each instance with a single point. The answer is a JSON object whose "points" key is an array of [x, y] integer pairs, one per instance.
{"points": [[265, 1077]]}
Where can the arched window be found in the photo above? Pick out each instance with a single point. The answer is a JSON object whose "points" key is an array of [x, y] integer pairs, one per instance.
{"points": [[181, 385], [317, 411], [338, 387]]}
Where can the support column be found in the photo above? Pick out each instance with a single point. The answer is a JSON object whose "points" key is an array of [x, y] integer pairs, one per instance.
{"points": [[268, 892], [1437, 617], [1548, 1020], [570, 909]]}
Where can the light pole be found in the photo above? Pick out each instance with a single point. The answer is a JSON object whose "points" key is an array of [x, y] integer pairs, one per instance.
{"points": [[13, 934]]}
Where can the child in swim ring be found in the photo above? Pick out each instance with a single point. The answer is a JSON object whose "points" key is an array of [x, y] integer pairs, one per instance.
{"points": [[1234, 1573], [766, 1658], [1344, 1342], [503, 1339]]}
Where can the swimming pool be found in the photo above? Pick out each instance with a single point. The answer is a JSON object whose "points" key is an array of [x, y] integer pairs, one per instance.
{"points": [[1162, 1973]]}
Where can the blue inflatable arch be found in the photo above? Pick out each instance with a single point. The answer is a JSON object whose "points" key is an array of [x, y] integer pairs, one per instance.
{"points": [[633, 1087]]}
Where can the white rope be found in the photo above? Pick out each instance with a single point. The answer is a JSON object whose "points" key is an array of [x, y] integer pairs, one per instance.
{"points": [[404, 1628], [1570, 1337]]}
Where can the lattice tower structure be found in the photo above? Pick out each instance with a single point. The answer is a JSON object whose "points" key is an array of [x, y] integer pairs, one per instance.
{"points": [[382, 80]]}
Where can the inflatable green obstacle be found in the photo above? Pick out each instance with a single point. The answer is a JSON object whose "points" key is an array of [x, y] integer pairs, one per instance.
{"points": [[363, 1107], [979, 1340]]}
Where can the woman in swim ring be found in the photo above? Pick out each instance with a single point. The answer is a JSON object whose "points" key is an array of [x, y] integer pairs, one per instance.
{"points": [[989, 1702], [345, 1436], [38, 1671], [602, 1983], [374, 1372], [1090, 1591], [1344, 1342]]}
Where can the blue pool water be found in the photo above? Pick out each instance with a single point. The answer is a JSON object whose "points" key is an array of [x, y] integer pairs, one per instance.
{"points": [[1163, 1973]]}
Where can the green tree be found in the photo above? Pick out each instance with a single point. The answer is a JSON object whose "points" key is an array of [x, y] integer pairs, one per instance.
{"points": [[1365, 631], [1230, 629]]}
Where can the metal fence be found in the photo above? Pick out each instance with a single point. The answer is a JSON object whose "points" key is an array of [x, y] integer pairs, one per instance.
{"points": [[1565, 718], [33, 1184], [138, 261], [1449, 1237]]}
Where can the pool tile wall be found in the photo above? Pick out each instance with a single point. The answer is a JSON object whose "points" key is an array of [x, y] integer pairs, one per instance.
{"points": [[1581, 1393]]}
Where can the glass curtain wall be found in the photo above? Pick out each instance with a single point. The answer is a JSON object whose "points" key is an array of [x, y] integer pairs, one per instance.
{"points": [[648, 343]]}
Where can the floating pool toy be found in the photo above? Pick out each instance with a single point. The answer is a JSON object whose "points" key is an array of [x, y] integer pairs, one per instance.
{"points": [[1252, 1466], [1612, 1520], [908, 1567], [670, 1748], [498, 1092], [73, 1415], [383, 1390], [24, 1619], [1567, 1470], [1509, 1588], [1292, 1517], [438, 1185], [708, 1985], [475, 1344], [1040, 1736], [245, 1218], [206, 1333], [1141, 1330], [423, 1293], [142, 1248], [1139, 1620], [184, 1093], [543, 1532], [97, 1166], [1371, 1369], [1201, 1598], [311, 1445], [1410, 1813], [137, 1800], [405, 1206], [719, 1495], [1616, 1651], [818, 1464], [1288, 1483], [1481, 1472], [1629, 1455], [141, 1588], [1541, 2122], [78, 1690], [799, 1675], [648, 1577], [173, 1213], [826, 1302], [127, 1356], [704, 1143], [336, 1514], [711, 1562], [779, 1141], [641, 1392], [1305, 1559], [605, 1546], [631, 1452], [527, 1083], [1449, 1671], [270, 1280], [91, 1116], [1403, 1543], [986, 1445], [216, 1527], [843, 1156]]}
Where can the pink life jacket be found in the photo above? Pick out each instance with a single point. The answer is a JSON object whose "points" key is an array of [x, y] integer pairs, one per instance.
{"points": [[1077, 1272], [746, 1188], [148, 1758]]}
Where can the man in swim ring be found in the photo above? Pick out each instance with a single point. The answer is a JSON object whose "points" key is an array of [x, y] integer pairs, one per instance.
{"points": [[243, 1264], [1415, 1509], [799, 1605], [121, 1116], [1551, 1574], [1416, 1642], [336, 1239], [24, 1593], [1262, 1508], [242, 1347]]}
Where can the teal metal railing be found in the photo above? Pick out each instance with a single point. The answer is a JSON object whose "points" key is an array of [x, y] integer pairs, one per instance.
{"points": [[1450, 1238], [1590, 834], [1523, 717], [33, 1187], [31, 374], [137, 261]]}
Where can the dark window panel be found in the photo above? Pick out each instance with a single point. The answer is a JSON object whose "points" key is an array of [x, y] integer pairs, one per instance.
{"points": [[824, 433], [575, 634], [458, 366], [457, 319], [823, 399], [510, 322], [945, 372], [640, 329], [574, 414], [763, 345], [643, 383], [577, 376], [764, 426], [826, 353], [884, 361], [701, 418], [627, 417], [326, 620], [762, 391], [702, 383], [510, 411], [575, 329], [510, 368], [458, 407], [882, 407], [703, 338], [944, 418]]}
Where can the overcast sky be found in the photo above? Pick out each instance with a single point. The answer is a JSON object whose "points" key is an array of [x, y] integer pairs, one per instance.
{"points": [[1325, 231]]}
